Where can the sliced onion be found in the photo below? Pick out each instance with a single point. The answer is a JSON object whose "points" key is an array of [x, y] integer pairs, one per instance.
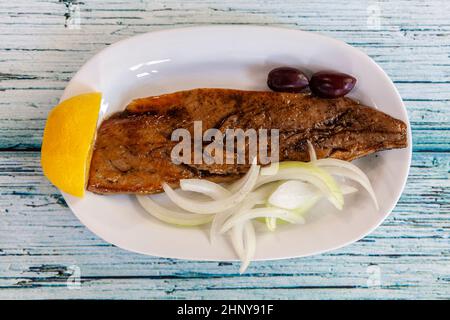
{"points": [[218, 192], [291, 170], [208, 188], [214, 191], [292, 194], [334, 166], [329, 162], [171, 216], [306, 206], [353, 175], [249, 202], [249, 246], [271, 223], [263, 192], [279, 213], [237, 240], [346, 189], [287, 194], [236, 185], [209, 207], [311, 151], [218, 220]]}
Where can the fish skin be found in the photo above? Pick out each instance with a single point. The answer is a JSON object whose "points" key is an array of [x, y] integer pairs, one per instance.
{"points": [[132, 149]]}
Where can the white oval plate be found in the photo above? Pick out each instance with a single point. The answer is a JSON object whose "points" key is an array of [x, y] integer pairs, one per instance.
{"points": [[235, 57]]}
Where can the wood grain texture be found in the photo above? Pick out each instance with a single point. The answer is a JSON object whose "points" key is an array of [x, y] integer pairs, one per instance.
{"points": [[40, 239]]}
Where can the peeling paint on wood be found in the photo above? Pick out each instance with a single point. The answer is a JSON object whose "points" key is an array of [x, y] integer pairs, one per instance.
{"points": [[41, 240]]}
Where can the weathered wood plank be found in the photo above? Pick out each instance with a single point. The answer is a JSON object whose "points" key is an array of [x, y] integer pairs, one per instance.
{"points": [[40, 239], [212, 288]]}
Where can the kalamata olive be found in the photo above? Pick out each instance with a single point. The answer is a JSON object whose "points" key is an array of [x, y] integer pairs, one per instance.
{"points": [[286, 79], [329, 84]]}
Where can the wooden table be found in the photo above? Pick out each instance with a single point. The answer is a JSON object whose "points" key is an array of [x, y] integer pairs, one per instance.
{"points": [[42, 244]]}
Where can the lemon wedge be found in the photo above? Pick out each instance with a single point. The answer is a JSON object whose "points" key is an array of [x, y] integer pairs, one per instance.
{"points": [[67, 142]]}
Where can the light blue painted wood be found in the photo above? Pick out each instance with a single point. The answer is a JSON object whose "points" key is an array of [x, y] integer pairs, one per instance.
{"points": [[40, 239]]}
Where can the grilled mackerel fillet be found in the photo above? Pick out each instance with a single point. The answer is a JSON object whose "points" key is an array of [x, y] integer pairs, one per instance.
{"points": [[132, 149]]}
